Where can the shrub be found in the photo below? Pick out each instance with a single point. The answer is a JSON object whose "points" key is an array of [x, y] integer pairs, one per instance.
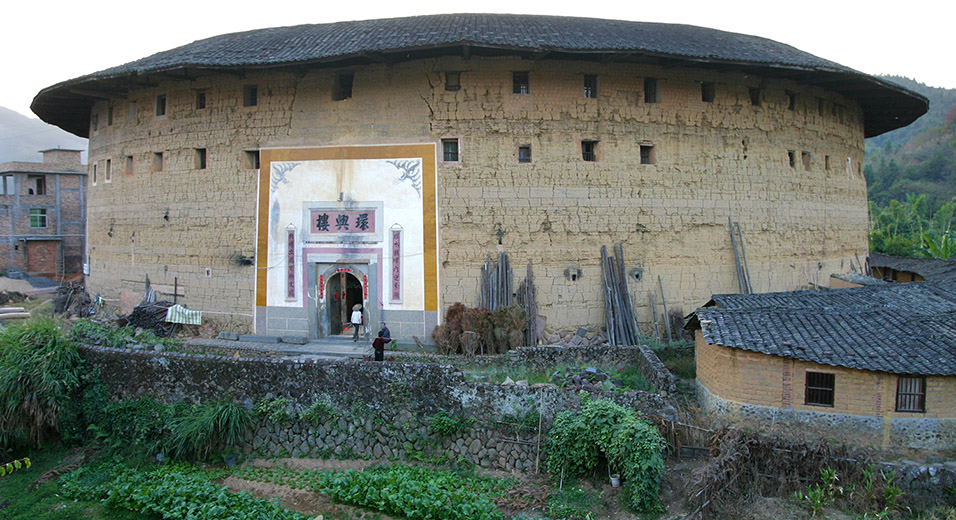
{"points": [[631, 445], [209, 427], [275, 410], [319, 411], [39, 372], [444, 425]]}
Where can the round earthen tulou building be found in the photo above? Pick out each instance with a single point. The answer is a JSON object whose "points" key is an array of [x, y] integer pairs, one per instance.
{"points": [[275, 178]]}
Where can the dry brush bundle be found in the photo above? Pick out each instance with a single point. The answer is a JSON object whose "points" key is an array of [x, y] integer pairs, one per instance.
{"points": [[745, 464]]}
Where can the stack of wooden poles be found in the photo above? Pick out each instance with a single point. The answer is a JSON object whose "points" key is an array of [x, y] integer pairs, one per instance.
{"points": [[528, 300], [618, 310], [497, 283]]}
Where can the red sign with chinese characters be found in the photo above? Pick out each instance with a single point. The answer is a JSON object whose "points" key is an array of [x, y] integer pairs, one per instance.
{"points": [[334, 222]]}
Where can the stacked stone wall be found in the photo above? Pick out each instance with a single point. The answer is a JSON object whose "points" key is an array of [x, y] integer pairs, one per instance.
{"points": [[378, 409], [714, 160]]}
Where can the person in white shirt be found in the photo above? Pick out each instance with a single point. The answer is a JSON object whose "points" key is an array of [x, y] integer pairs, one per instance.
{"points": [[356, 322]]}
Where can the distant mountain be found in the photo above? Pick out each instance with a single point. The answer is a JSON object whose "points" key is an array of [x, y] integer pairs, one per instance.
{"points": [[21, 138], [919, 158]]}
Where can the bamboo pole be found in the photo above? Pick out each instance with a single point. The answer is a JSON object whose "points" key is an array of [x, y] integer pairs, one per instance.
{"points": [[667, 318]]}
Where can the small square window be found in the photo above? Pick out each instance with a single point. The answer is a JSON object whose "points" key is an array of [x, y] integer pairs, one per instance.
{"points": [[200, 159], [109, 116], [449, 150], [109, 171], [807, 159], [37, 218], [708, 91], [129, 165], [452, 81], [651, 87], [524, 153], [819, 389], [521, 80], [132, 111], [161, 105], [648, 154], [36, 184], [252, 159], [791, 100], [589, 150], [754, 96], [158, 162], [95, 122], [250, 95], [200, 99], [792, 157], [826, 162], [343, 86], [911, 394], [590, 86]]}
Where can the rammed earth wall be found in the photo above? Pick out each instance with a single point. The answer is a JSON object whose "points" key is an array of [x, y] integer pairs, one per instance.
{"points": [[377, 410]]}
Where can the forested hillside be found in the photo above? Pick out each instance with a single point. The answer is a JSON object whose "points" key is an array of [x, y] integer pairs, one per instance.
{"points": [[911, 177]]}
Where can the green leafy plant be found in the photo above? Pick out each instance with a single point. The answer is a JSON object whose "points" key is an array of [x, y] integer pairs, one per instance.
{"points": [[319, 411], [631, 445], [414, 493], [817, 497], [39, 371], [275, 410], [444, 425], [206, 428], [172, 492], [526, 422], [15, 465]]}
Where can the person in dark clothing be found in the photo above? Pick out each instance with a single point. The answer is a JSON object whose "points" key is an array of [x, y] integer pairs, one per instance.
{"points": [[384, 336]]}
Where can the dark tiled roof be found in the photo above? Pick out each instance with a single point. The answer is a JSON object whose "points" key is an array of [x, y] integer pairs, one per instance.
{"points": [[897, 328], [928, 268], [858, 278], [886, 104]]}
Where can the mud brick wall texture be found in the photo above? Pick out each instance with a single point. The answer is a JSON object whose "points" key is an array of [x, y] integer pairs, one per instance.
{"points": [[379, 409], [755, 388], [170, 219]]}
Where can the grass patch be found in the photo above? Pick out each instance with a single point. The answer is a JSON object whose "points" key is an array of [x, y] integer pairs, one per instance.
{"points": [[47, 502], [678, 357]]}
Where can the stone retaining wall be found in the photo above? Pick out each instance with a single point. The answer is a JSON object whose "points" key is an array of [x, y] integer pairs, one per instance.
{"points": [[376, 410]]}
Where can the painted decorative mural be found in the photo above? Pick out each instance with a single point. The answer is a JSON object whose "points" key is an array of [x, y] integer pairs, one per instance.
{"points": [[347, 209]]}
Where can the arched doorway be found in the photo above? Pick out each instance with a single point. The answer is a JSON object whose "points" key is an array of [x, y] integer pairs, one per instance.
{"points": [[344, 291]]}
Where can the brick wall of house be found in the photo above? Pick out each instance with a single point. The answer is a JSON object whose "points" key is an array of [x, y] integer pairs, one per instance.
{"points": [[714, 160]]}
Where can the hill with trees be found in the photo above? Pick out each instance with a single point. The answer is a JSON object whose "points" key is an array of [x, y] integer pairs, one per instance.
{"points": [[911, 179]]}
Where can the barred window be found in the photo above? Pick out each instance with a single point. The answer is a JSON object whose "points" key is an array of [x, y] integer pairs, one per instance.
{"points": [[911, 394], [589, 150], [819, 389], [449, 150]]}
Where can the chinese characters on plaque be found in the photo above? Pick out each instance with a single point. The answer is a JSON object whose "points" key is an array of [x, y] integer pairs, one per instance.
{"points": [[290, 260], [334, 222], [396, 265]]}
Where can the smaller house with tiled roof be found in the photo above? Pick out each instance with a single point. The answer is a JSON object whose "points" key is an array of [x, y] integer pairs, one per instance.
{"points": [[873, 365], [43, 215], [902, 269]]}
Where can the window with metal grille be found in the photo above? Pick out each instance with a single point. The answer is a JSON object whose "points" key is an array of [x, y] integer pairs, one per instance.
{"points": [[911, 394], [200, 161], [521, 82], [200, 99], [589, 150], [161, 105], [648, 154], [449, 150], [590, 86], [819, 389]]}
